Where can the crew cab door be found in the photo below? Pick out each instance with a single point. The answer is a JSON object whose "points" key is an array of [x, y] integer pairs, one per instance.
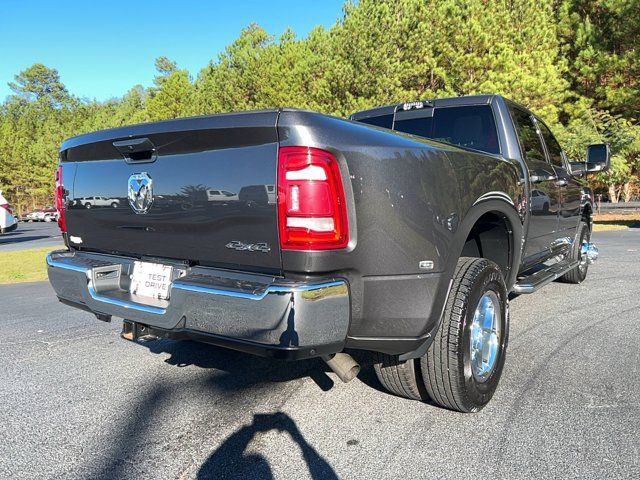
{"points": [[570, 188], [544, 208]]}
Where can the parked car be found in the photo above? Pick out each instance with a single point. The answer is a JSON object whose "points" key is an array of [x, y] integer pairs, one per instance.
{"points": [[540, 202], [90, 202], [221, 196], [258, 194], [402, 231], [30, 216], [8, 221], [49, 214]]}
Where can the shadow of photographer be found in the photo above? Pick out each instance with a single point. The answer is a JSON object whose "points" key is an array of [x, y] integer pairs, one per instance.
{"points": [[230, 459]]}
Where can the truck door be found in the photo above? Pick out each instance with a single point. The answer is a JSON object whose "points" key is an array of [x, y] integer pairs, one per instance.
{"points": [[544, 208], [570, 188]]}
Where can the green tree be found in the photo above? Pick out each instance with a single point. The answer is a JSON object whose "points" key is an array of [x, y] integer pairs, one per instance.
{"points": [[601, 41], [174, 95], [42, 84]]}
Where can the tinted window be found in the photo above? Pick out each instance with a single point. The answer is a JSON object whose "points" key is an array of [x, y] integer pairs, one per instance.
{"points": [[381, 121], [471, 126], [555, 152], [528, 135]]}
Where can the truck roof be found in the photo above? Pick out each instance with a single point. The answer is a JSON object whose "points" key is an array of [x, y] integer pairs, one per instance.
{"points": [[436, 102]]}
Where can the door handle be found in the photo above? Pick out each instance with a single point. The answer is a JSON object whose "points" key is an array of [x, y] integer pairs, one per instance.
{"points": [[542, 178], [136, 149]]}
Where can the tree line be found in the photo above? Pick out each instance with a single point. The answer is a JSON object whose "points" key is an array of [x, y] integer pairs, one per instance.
{"points": [[574, 62]]}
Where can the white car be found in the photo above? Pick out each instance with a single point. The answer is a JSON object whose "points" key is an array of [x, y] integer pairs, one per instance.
{"points": [[221, 196], [48, 214], [7, 221], [540, 201], [90, 202]]}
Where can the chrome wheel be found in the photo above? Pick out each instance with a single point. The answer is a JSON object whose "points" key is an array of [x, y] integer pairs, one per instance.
{"points": [[584, 248], [485, 336]]}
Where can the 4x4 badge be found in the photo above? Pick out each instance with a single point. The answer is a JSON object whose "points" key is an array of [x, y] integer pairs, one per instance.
{"points": [[140, 192], [249, 247]]}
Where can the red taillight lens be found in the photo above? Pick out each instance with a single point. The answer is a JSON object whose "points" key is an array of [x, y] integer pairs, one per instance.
{"points": [[312, 212], [59, 200], [7, 207]]}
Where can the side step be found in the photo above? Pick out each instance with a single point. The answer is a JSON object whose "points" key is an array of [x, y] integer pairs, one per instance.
{"points": [[542, 277]]}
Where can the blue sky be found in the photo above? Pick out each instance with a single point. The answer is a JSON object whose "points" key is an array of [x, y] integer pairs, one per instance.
{"points": [[103, 48]]}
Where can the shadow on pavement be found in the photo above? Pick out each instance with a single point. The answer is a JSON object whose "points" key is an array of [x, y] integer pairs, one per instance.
{"points": [[235, 374], [9, 238], [242, 368], [229, 460]]}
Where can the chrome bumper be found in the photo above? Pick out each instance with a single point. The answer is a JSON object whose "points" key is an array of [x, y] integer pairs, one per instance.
{"points": [[248, 312]]}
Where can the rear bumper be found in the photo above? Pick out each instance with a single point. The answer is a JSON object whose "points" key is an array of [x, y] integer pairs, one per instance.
{"points": [[10, 228], [259, 314]]}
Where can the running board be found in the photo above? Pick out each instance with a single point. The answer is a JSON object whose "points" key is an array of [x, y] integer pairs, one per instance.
{"points": [[547, 275]]}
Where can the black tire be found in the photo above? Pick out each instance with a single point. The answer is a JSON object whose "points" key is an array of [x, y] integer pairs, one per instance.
{"points": [[399, 378], [578, 274], [87, 205], [446, 367], [114, 204]]}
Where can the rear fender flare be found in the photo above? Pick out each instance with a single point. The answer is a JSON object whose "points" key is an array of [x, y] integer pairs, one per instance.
{"points": [[501, 204]]}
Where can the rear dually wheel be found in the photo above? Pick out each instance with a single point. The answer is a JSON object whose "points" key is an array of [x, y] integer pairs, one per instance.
{"points": [[463, 365]]}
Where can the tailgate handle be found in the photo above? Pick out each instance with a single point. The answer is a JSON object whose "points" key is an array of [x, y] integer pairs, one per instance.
{"points": [[137, 149]]}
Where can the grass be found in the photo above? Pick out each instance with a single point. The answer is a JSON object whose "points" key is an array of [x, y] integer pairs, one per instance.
{"points": [[23, 265], [615, 221]]}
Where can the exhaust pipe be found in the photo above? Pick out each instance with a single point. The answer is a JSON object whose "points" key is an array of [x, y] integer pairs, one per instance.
{"points": [[343, 365], [590, 251]]}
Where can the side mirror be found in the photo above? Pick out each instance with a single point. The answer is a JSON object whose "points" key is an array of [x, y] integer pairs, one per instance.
{"points": [[598, 157]]}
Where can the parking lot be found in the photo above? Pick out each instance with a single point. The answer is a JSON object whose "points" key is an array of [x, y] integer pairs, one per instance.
{"points": [[79, 402], [31, 235]]}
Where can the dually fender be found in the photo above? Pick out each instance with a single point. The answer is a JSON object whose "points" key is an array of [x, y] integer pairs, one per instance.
{"points": [[498, 203], [501, 204]]}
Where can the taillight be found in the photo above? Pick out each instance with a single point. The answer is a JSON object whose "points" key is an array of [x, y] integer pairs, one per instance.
{"points": [[7, 207], [312, 212], [59, 200]]}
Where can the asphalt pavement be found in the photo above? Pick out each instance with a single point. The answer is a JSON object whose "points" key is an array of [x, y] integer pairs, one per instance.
{"points": [[76, 401], [32, 235]]}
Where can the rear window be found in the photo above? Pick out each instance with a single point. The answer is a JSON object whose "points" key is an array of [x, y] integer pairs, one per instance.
{"points": [[385, 121], [469, 126]]}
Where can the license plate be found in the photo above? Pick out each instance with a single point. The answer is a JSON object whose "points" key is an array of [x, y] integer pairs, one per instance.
{"points": [[151, 280]]}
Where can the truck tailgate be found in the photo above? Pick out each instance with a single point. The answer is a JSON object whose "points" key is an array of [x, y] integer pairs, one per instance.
{"points": [[197, 189]]}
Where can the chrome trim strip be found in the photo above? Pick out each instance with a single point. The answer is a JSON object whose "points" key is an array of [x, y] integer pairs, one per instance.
{"points": [[67, 266], [122, 303], [255, 296]]}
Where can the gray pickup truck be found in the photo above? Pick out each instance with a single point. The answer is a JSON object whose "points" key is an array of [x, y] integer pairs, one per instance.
{"points": [[402, 231]]}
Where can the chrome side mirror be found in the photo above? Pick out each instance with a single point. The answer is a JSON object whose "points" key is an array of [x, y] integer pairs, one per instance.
{"points": [[598, 157]]}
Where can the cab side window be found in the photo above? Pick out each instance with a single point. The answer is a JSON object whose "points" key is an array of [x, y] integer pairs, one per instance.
{"points": [[555, 152], [528, 137]]}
